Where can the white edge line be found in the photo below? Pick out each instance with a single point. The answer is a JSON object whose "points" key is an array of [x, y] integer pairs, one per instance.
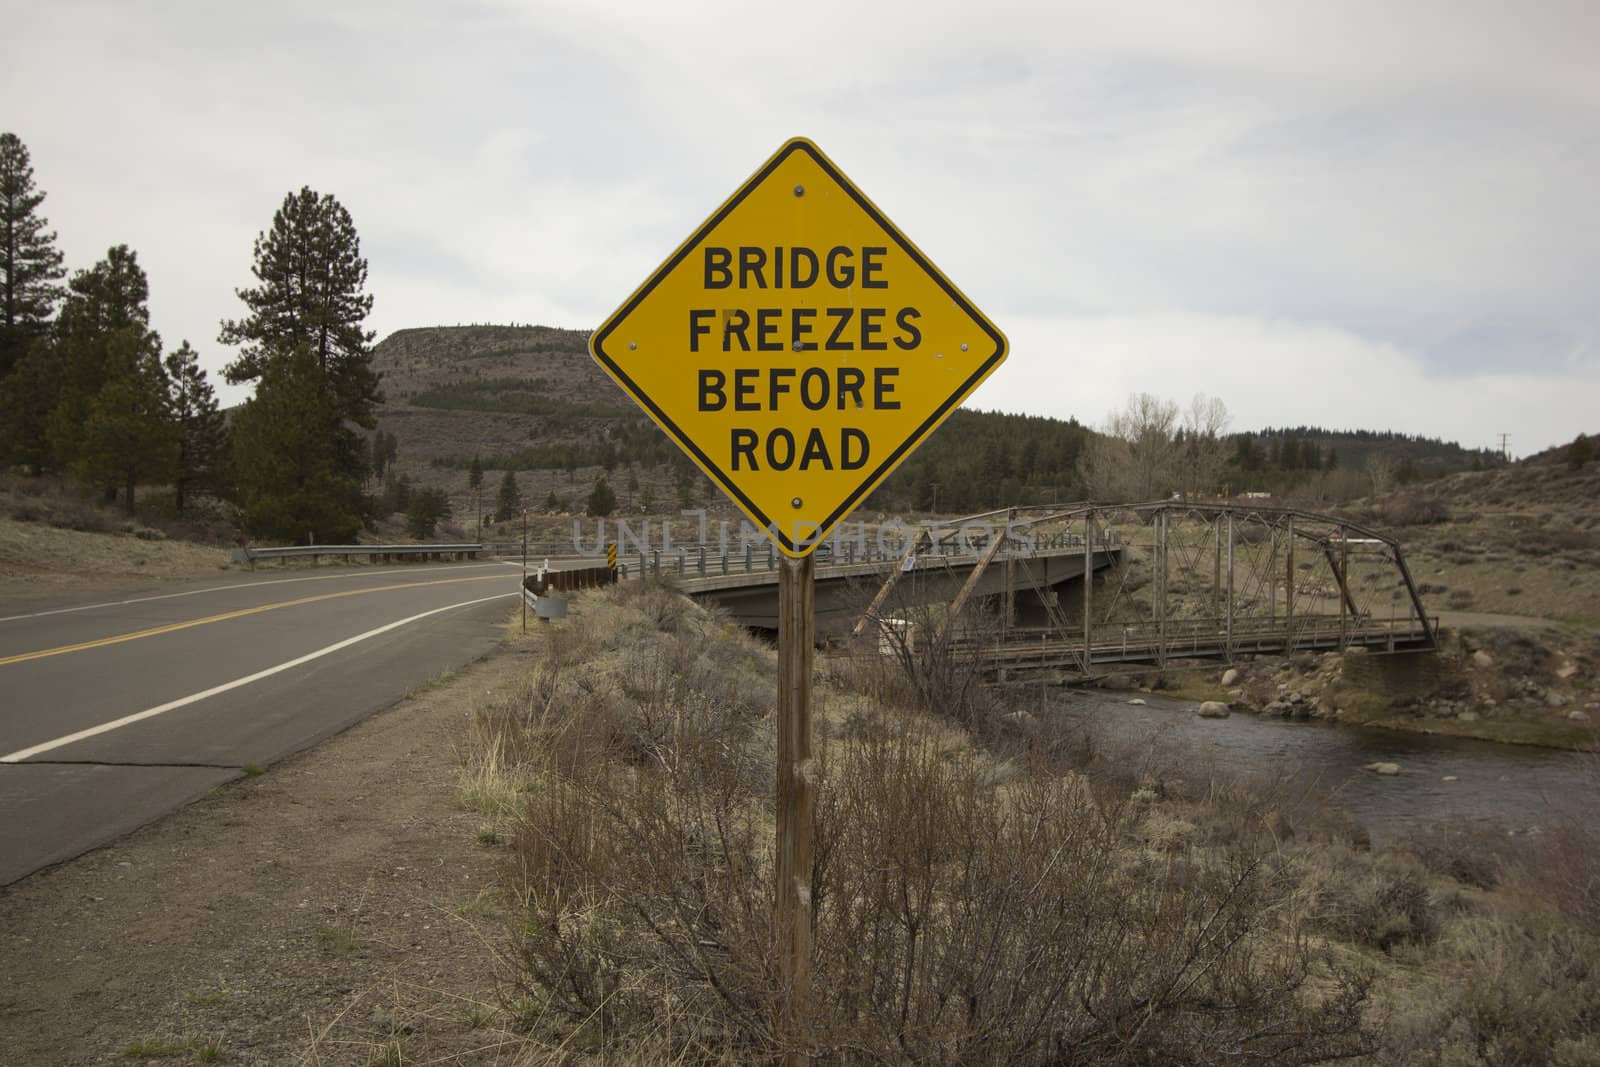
{"points": [[248, 585], [149, 713]]}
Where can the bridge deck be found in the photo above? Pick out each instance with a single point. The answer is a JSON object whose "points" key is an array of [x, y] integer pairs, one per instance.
{"points": [[1115, 646]]}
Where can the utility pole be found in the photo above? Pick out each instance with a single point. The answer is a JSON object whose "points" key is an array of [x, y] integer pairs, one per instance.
{"points": [[1505, 447]]}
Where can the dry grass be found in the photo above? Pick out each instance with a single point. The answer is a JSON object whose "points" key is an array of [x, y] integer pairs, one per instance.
{"points": [[1038, 898], [967, 908]]}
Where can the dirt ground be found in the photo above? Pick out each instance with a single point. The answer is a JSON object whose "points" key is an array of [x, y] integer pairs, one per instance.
{"points": [[39, 561], [337, 909]]}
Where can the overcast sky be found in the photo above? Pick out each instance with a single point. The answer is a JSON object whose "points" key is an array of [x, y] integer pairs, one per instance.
{"points": [[1376, 215]]}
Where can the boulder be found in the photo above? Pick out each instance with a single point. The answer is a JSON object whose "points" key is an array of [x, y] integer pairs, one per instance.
{"points": [[1468, 716], [1230, 677], [1383, 768], [1448, 778], [1482, 659], [1553, 699], [1578, 715], [1212, 709], [1137, 702]]}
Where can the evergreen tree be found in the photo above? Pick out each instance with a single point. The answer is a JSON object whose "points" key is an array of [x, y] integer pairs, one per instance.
{"points": [[428, 506], [1579, 452], [106, 311], [200, 429], [30, 263], [27, 397], [128, 436], [475, 473], [553, 503], [384, 448], [509, 502], [291, 476], [310, 296], [602, 501]]}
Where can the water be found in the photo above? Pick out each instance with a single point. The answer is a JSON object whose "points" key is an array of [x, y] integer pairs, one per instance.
{"points": [[1511, 786]]}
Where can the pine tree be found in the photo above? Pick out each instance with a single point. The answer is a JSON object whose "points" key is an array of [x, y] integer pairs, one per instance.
{"points": [[428, 506], [509, 501], [475, 473], [30, 263], [311, 295], [602, 501], [27, 397], [128, 435], [291, 476], [200, 429], [1579, 452], [106, 311]]}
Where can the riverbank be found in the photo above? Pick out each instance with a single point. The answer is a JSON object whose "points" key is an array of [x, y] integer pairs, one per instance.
{"points": [[1521, 685]]}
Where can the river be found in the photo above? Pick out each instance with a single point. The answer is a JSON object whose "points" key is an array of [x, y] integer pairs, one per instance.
{"points": [[1517, 788]]}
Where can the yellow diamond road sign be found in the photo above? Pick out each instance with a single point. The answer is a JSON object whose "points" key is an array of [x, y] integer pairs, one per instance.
{"points": [[798, 346]]}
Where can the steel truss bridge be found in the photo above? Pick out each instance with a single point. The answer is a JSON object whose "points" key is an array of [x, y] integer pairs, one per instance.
{"points": [[1171, 580]]}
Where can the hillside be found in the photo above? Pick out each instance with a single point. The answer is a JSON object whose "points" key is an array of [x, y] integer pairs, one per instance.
{"points": [[529, 399], [522, 398], [1523, 539]]}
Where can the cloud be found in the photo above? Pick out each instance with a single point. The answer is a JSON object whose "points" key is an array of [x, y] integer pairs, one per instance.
{"points": [[1414, 180]]}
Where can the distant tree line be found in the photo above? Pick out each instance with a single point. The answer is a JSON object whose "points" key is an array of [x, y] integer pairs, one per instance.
{"points": [[87, 391]]}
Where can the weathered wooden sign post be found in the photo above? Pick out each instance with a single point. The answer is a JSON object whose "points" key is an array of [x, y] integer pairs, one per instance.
{"points": [[798, 347]]}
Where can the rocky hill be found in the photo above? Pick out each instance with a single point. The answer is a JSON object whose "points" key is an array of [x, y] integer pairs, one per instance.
{"points": [[1520, 540], [521, 398]]}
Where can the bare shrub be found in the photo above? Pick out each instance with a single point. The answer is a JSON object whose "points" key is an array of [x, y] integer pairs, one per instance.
{"points": [[1413, 509], [1473, 853], [1509, 989], [961, 914], [1380, 905], [943, 665]]}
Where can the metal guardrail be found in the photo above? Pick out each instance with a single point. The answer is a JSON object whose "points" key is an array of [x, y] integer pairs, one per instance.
{"points": [[250, 555]]}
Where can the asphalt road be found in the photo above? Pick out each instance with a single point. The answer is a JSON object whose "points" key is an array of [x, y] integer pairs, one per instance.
{"points": [[114, 713]]}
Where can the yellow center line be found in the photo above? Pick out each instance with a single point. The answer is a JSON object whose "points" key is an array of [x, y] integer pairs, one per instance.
{"points": [[225, 616]]}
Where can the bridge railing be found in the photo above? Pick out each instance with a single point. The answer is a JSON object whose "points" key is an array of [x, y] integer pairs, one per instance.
{"points": [[1200, 637], [315, 552]]}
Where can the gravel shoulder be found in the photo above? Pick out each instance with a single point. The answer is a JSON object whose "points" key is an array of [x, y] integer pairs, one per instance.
{"points": [[336, 909]]}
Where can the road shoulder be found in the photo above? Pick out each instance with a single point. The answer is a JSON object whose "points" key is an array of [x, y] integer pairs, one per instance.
{"points": [[331, 908]]}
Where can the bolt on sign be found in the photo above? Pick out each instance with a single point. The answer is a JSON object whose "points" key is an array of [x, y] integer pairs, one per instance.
{"points": [[798, 347]]}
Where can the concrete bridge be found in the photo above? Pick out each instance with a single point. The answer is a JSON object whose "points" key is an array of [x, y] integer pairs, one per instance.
{"points": [[845, 589]]}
